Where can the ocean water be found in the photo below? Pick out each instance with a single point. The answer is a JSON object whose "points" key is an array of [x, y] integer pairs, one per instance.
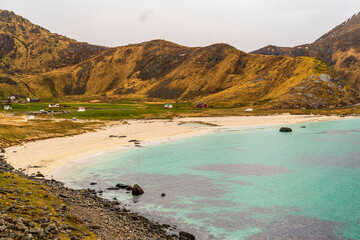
{"points": [[241, 183]]}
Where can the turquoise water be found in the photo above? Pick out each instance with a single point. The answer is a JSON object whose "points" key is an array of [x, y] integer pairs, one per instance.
{"points": [[244, 183]]}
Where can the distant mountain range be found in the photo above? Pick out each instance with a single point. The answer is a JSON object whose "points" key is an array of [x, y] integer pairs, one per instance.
{"points": [[37, 63]]}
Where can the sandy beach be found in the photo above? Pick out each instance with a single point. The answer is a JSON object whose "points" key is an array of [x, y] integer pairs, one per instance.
{"points": [[51, 154]]}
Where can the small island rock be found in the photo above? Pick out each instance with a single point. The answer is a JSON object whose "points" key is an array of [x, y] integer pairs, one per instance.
{"points": [[136, 190], [285, 129]]}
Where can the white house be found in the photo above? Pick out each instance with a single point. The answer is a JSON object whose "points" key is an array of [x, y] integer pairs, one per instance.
{"points": [[11, 98], [56, 105], [249, 110], [7, 107], [81, 109], [167, 106]]}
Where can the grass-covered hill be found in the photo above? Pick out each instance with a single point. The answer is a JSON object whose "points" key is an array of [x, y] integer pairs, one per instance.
{"points": [[37, 63]]}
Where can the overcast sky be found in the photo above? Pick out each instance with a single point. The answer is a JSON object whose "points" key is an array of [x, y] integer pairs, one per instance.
{"points": [[245, 24]]}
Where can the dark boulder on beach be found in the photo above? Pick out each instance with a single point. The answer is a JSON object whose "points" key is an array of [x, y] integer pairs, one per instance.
{"points": [[116, 136], [93, 183], [186, 236], [39, 175], [113, 188], [303, 127], [285, 129], [2, 150], [163, 194], [136, 190]]}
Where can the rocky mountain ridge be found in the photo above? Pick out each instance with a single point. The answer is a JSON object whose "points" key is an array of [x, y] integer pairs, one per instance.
{"points": [[339, 48], [37, 63]]}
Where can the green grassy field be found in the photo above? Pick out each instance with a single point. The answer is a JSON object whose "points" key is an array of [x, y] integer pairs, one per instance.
{"points": [[141, 110]]}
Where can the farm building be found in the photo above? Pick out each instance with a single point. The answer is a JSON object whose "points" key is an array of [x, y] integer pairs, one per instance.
{"points": [[12, 98], [56, 105], [34, 100], [167, 106], [81, 109], [202, 105]]}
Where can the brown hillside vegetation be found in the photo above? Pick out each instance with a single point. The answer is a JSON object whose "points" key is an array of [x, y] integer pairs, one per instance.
{"points": [[339, 48], [35, 62]]}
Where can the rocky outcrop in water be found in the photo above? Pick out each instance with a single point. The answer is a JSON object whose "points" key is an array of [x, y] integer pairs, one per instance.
{"points": [[137, 190], [285, 129]]}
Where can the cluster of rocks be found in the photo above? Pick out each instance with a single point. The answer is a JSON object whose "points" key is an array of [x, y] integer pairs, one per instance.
{"points": [[136, 190], [21, 228], [136, 142], [116, 136], [106, 219]]}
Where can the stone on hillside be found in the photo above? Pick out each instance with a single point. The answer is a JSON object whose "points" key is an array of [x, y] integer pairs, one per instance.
{"points": [[325, 77]]}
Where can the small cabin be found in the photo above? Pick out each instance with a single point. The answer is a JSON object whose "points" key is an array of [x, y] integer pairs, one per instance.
{"points": [[11, 98], [202, 105], [36, 100], [56, 105], [7, 107], [168, 106], [81, 109]]}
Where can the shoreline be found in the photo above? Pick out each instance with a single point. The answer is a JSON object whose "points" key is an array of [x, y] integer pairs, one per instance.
{"points": [[60, 211], [51, 154]]}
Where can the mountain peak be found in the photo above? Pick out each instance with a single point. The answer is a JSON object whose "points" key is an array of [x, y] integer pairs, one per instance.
{"points": [[345, 28], [339, 48]]}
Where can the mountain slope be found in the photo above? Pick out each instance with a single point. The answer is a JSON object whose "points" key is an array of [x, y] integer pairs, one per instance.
{"points": [[159, 71], [339, 48], [26, 48]]}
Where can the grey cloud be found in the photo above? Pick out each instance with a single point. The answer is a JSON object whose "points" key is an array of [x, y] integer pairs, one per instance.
{"points": [[146, 14]]}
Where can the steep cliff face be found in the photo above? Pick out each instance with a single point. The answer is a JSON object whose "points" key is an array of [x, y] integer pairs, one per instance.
{"points": [[38, 63], [339, 48]]}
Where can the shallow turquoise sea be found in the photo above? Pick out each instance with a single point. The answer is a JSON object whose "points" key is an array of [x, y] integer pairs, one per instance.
{"points": [[241, 183]]}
